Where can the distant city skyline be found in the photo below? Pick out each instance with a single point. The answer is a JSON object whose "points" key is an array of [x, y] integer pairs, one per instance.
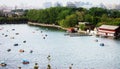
{"points": [[43, 3]]}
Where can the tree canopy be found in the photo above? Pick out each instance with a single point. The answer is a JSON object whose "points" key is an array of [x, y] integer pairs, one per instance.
{"points": [[69, 17]]}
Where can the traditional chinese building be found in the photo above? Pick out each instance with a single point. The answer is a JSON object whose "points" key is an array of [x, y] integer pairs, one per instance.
{"points": [[108, 30]]}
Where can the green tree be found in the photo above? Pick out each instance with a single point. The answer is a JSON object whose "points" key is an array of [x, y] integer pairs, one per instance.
{"points": [[32, 15], [69, 17], [69, 21], [63, 14], [88, 18], [95, 11], [114, 13], [80, 16], [104, 18]]}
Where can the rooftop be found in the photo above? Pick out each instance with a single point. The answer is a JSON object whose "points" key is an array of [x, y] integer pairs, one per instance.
{"points": [[109, 27]]}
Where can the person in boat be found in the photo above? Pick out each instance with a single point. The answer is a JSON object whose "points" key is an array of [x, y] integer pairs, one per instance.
{"points": [[48, 67], [41, 31], [96, 40], [31, 51], [17, 33], [21, 50], [36, 66], [46, 35], [25, 61], [6, 35], [48, 57], [43, 37], [12, 37], [2, 33], [9, 50], [19, 67], [102, 44], [24, 41], [13, 29], [3, 64], [70, 67], [16, 44]]}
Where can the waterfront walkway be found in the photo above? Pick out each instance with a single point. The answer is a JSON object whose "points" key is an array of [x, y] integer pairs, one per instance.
{"points": [[46, 25]]}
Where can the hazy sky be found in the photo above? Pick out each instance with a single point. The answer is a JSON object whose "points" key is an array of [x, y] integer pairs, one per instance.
{"points": [[39, 3]]}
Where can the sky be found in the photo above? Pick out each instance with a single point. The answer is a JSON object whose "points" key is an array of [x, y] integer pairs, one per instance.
{"points": [[39, 3]]}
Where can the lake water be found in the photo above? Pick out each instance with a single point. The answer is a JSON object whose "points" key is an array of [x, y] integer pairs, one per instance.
{"points": [[83, 52]]}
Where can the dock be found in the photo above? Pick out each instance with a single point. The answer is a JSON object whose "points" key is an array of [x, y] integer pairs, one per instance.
{"points": [[77, 34]]}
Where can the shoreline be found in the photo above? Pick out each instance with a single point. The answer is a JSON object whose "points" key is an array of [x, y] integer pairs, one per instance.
{"points": [[46, 25], [14, 22]]}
